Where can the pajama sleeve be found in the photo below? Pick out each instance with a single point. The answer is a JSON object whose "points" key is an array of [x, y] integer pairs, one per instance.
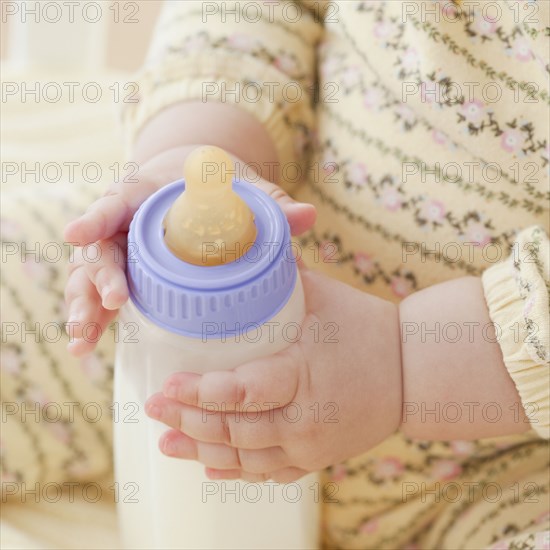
{"points": [[517, 293], [259, 56]]}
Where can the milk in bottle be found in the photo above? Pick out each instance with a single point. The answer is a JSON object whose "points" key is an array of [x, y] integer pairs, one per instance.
{"points": [[209, 264]]}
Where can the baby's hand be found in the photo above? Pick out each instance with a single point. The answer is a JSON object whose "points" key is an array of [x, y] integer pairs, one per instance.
{"points": [[330, 396], [96, 289]]}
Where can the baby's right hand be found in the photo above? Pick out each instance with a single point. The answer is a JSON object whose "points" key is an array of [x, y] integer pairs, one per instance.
{"points": [[97, 288]]}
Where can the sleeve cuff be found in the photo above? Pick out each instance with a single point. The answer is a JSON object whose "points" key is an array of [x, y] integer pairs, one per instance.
{"points": [[287, 123], [517, 296]]}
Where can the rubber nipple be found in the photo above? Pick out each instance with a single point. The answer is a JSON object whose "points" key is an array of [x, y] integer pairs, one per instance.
{"points": [[209, 224]]}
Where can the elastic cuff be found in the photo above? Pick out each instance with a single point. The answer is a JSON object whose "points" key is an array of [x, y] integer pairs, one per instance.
{"points": [[517, 297]]}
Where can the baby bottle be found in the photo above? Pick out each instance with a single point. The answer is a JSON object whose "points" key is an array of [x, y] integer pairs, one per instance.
{"points": [[209, 264]]}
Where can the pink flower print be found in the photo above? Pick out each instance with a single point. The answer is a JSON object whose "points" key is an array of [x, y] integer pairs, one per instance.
{"points": [[448, 9], [473, 111], [195, 43], [35, 395], [528, 306], [439, 137], [330, 65], [401, 286], [364, 263], [7, 477], [445, 470], [328, 157], [433, 211], [462, 448], [477, 233], [406, 113], [9, 229], [351, 76], [388, 468], [242, 42], [384, 30], [410, 59], [512, 141], [521, 50], [60, 431], [391, 199], [10, 361], [329, 163], [339, 472], [542, 540], [369, 527], [357, 173], [373, 98], [484, 26], [286, 64], [500, 545]]}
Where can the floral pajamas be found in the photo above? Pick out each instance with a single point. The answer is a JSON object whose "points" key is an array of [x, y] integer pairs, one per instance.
{"points": [[424, 147]]}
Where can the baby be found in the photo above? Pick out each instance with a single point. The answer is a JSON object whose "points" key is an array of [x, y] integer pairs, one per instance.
{"points": [[407, 144]]}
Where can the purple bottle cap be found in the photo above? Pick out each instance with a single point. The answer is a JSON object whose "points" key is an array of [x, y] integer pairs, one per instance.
{"points": [[210, 301]]}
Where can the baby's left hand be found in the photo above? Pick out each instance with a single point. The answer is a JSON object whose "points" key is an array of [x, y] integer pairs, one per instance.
{"points": [[332, 395]]}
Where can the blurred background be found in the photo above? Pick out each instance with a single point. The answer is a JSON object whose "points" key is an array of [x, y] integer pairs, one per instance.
{"points": [[115, 37], [78, 46], [67, 71]]}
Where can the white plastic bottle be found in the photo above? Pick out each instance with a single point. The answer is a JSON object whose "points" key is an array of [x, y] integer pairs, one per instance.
{"points": [[184, 317]]}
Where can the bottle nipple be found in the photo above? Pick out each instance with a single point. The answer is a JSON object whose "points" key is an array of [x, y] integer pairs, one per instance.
{"points": [[209, 224]]}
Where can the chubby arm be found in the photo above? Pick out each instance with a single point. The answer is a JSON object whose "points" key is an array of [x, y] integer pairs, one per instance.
{"points": [[221, 124], [455, 382], [488, 373], [357, 383]]}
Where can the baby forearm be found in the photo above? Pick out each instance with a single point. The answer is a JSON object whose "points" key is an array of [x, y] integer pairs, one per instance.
{"points": [[220, 124], [455, 384]]}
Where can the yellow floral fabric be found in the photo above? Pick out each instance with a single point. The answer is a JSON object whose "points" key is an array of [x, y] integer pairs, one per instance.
{"points": [[56, 409], [518, 298], [419, 129]]}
